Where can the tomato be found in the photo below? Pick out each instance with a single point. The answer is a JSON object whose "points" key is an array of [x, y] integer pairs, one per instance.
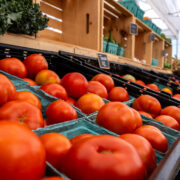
{"points": [[148, 104], [34, 64], [70, 101], [80, 137], [145, 114], [168, 91], [89, 103], [60, 111], [144, 149], [168, 121], [103, 157], [138, 117], [21, 152], [29, 97], [30, 82], [23, 112], [129, 77], [13, 66], [47, 76], [75, 84], [118, 94], [104, 79], [172, 111], [97, 88], [153, 87], [56, 145], [117, 117], [177, 96], [7, 90], [53, 178], [140, 82], [154, 136], [55, 90]]}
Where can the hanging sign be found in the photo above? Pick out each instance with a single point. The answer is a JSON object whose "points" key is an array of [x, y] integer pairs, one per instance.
{"points": [[103, 61], [133, 29]]}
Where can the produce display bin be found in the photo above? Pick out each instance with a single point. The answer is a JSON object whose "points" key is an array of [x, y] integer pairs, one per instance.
{"points": [[112, 48], [148, 22], [120, 51], [104, 45], [140, 14]]}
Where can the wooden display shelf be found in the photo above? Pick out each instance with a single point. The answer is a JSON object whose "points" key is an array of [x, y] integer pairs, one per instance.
{"points": [[143, 43], [168, 52], [118, 19], [157, 52]]}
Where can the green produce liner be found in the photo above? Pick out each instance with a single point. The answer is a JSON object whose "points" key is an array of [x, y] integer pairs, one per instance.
{"points": [[104, 45], [112, 48]]}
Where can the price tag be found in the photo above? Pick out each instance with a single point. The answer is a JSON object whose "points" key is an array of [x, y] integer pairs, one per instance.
{"points": [[152, 37], [103, 61], [133, 29]]}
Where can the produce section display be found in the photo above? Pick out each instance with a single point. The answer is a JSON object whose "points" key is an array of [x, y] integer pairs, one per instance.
{"points": [[70, 79]]}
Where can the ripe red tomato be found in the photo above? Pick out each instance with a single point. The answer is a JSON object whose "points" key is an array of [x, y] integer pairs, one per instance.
{"points": [[56, 145], [103, 157], [154, 136], [145, 114], [168, 91], [140, 82], [148, 104], [30, 82], [21, 152], [172, 111], [54, 178], [80, 137], [117, 117], [177, 96], [7, 90], [34, 64], [89, 103], [47, 76], [138, 117], [75, 84], [118, 94], [70, 101], [60, 111], [55, 90], [153, 87], [168, 121], [144, 149], [13, 66], [104, 79], [29, 97], [23, 112], [97, 88]]}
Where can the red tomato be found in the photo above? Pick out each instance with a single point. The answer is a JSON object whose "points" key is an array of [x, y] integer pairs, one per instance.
{"points": [[103, 157], [104, 79], [23, 112], [90, 103], [47, 76], [56, 145], [7, 90], [145, 114], [97, 88], [80, 137], [53, 178], [144, 149], [34, 64], [60, 111], [118, 94], [75, 84], [154, 136], [172, 111], [140, 82], [117, 117], [168, 91], [21, 152], [177, 96], [30, 82], [70, 101], [148, 104], [138, 117], [168, 121], [55, 90], [29, 97], [13, 66], [153, 87]]}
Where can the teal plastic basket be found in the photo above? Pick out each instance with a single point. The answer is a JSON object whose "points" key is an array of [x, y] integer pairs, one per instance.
{"points": [[158, 31], [148, 23], [130, 5], [104, 45], [161, 86], [140, 14], [155, 62], [112, 48], [154, 27], [120, 51]]}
